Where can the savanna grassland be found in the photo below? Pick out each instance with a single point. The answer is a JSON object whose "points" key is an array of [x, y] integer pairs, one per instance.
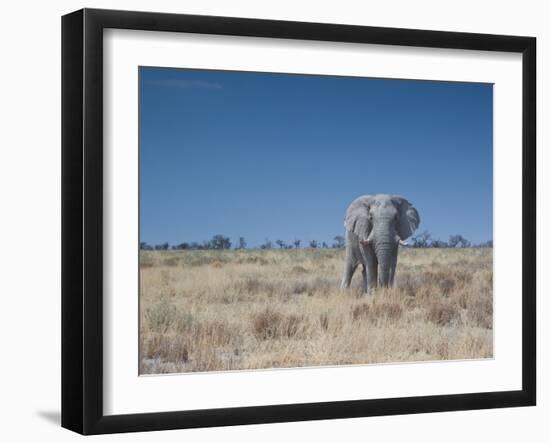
{"points": [[227, 310]]}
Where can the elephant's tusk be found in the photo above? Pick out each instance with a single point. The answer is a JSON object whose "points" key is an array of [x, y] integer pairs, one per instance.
{"points": [[403, 243]]}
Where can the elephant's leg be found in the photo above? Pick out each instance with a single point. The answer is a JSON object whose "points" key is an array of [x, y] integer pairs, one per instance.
{"points": [[393, 266], [372, 270], [349, 269], [365, 279]]}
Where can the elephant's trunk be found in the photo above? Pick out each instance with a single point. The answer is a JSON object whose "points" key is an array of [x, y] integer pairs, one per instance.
{"points": [[386, 252]]}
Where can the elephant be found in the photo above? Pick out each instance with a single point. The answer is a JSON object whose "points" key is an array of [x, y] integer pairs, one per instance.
{"points": [[375, 227]]}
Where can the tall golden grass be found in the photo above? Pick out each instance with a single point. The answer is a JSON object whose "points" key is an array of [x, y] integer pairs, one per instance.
{"points": [[230, 310]]}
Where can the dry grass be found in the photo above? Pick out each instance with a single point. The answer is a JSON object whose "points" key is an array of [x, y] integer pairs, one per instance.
{"points": [[228, 310]]}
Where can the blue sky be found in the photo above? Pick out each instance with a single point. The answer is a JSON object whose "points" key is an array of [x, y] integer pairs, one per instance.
{"points": [[278, 156]]}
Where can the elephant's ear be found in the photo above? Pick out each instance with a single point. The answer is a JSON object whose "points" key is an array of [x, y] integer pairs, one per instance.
{"points": [[408, 219], [357, 217]]}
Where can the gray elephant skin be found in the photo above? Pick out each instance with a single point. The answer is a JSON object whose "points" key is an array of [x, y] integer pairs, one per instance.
{"points": [[375, 227]]}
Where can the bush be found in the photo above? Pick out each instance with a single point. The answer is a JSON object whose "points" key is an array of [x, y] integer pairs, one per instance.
{"points": [[270, 324], [442, 314], [161, 315], [266, 324]]}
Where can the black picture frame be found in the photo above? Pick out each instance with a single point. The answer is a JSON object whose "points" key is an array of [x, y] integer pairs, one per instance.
{"points": [[82, 218]]}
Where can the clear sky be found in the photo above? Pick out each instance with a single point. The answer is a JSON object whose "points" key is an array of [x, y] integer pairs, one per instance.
{"points": [[277, 156]]}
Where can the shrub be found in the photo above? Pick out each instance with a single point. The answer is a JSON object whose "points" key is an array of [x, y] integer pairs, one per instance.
{"points": [[409, 284], [360, 311], [442, 314], [171, 261], [377, 311], [161, 315], [146, 261], [299, 287], [480, 312], [390, 310], [290, 327], [254, 285], [266, 324], [446, 285], [216, 333]]}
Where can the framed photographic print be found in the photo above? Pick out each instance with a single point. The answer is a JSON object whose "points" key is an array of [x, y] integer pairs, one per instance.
{"points": [[269, 221]]}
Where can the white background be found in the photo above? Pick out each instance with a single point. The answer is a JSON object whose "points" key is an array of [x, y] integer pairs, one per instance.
{"points": [[30, 222]]}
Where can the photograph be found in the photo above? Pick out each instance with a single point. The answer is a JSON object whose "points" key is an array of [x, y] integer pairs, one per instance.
{"points": [[294, 220]]}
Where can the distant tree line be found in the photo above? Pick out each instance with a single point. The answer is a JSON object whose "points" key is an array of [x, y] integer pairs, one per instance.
{"points": [[425, 240], [219, 242], [216, 242]]}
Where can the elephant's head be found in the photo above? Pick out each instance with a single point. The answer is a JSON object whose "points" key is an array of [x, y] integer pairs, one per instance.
{"points": [[381, 222]]}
